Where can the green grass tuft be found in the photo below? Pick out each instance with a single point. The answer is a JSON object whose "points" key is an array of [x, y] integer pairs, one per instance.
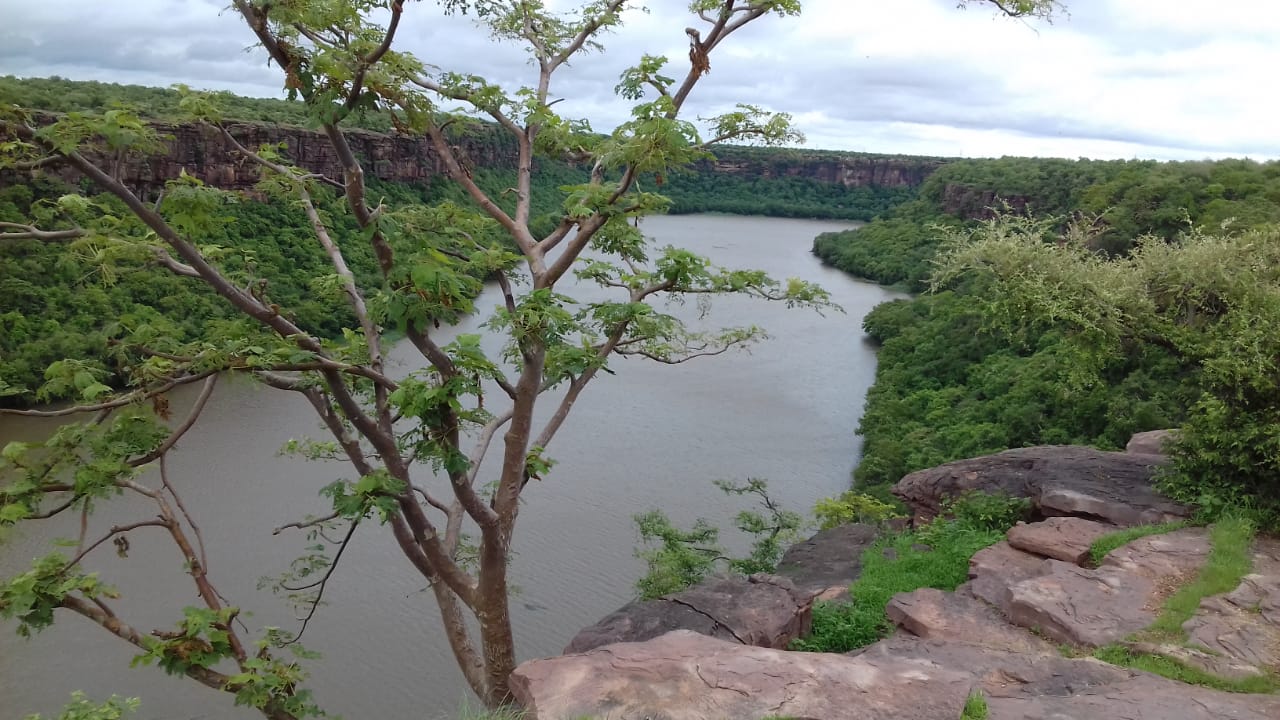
{"points": [[1229, 561], [1105, 544], [841, 627], [1174, 670], [975, 707]]}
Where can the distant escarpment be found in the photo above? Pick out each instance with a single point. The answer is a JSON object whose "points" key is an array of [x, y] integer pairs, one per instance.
{"points": [[202, 151], [841, 168]]}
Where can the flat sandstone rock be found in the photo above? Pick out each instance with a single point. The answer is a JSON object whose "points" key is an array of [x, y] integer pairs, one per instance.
{"points": [[686, 676], [1062, 538]]}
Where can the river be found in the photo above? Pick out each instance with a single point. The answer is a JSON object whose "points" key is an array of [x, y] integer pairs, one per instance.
{"points": [[648, 436]]}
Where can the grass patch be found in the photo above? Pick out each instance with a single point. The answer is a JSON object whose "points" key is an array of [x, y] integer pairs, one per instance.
{"points": [[508, 712], [1105, 544], [975, 707], [1229, 560], [1174, 670], [892, 565]]}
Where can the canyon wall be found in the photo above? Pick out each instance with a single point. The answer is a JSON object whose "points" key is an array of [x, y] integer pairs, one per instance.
{"points": [[204, 153]]}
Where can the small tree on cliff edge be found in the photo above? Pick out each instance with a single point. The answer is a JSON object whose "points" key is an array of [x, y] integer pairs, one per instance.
{"points": [[339, 58]]}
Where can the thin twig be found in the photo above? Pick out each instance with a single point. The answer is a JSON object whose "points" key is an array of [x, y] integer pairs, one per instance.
{"points": [[115, 530], [303, 524], [321, 584], [164, 480]]}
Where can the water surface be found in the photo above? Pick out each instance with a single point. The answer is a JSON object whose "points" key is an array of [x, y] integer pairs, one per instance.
{"points": [[647, 436]]}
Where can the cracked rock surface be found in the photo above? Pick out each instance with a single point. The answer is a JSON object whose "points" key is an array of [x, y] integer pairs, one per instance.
{"points": [[763, 610], [995, 634], [684, 675], [1114, 487]]}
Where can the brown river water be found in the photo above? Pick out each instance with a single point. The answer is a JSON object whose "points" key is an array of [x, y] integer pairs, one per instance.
{"points": [[648, 436]]}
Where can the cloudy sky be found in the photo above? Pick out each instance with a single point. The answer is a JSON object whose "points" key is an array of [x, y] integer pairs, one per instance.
{"points": [[1168, 79]]}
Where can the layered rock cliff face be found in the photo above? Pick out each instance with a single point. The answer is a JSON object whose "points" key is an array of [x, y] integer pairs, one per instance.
{"points": [[850, 170], [202, 152], [976, 203]]}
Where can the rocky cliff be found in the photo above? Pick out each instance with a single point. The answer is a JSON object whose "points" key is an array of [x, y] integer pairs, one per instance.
{"points": [[848, 169], [1018, 633], [203, 152], [977, 203]]}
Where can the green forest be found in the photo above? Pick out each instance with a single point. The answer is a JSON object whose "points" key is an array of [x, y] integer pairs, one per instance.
{"points": [[954, 379], [1123, 199], [53, 303], [1144, 295]]}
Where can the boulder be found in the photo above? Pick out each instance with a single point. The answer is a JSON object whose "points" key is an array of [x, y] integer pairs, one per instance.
{"points": [[959, 617], [1062, 538], [1151, 442], [830, 559], [1070, 604], [762, 610], [1058, 479], [1169, 559], [993, 570], [1079, 606], [683, 675]]}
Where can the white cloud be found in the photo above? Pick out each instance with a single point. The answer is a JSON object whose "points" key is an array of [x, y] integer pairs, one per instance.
{"points": [[1117, 78]]}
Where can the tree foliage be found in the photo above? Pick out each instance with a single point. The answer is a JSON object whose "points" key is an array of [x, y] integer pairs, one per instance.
{"points": [[676, 559], [441, 456], [1121, 199], [419, 443], [1209, 302]]}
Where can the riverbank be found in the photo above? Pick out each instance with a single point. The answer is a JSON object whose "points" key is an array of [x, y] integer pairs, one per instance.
{"points": [[1010, 642], [647, 436]]}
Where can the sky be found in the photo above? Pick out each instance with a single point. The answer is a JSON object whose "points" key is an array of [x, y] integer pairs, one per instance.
{"points": [[1163, 79]]}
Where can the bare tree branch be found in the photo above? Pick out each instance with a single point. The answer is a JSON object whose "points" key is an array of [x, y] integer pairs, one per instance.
{"points": [[201, 400], [31, 232], [126, 399]]}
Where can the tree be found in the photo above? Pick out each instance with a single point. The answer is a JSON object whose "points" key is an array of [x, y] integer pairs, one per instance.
{"points": [[341, 59], [1210, 303]]}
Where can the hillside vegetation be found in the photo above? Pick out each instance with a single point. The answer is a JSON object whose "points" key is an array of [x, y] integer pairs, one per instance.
{"points": [[54, 305], [1147, 296], [1121, 200]]}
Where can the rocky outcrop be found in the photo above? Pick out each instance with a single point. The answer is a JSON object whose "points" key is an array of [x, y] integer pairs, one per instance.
{"points": [[1242, 627], [997, 634], [826, 563], [1023, 676], [762, 610], [1058, 479], [1151, 442], [687, 676], [1062, 538], [1093, 607], [980, 203]]}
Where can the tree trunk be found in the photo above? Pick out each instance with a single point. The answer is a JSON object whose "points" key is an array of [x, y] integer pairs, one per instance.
{"points": [[499, 647], [455, 629]]}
